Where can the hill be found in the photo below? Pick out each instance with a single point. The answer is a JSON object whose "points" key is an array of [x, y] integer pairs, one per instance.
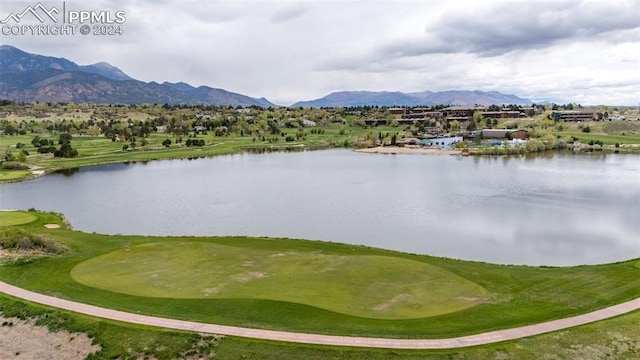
{"points": [[29, 77]]}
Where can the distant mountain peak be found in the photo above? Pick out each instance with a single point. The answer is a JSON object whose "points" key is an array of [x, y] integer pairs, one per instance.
{"points": [[426, 98], [31, 77]]}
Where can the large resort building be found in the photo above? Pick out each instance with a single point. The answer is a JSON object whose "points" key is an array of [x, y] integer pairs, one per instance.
{"points": [[576, 115]]}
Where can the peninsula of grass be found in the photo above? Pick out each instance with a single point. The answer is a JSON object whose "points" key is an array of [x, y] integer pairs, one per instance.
{"points": [[308, 286], [8, 218]]}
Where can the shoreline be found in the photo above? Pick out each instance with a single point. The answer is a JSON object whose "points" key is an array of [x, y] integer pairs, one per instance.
{"points": [[408, 150]]}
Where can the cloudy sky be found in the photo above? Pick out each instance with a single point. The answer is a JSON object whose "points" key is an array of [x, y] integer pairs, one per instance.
{"points": [[574, 51]]}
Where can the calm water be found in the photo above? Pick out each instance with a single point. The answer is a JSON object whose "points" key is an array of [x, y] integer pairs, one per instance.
{"points": [[560, 209]]}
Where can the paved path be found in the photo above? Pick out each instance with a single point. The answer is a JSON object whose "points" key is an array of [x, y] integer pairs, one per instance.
{"points": [[471, 340]]}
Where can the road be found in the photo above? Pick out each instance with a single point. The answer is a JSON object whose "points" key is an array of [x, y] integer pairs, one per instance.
{"points": [[450, 343]]}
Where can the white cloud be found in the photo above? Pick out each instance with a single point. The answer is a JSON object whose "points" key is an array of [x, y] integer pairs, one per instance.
{"points": [[583, 51]]}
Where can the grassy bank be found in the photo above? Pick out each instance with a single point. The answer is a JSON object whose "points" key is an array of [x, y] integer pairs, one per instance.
{"points": [[94, 150], [510, 296], [613, 338]]}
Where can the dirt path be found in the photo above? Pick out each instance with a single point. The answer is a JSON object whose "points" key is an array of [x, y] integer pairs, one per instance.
{"points": [[471, 340]]}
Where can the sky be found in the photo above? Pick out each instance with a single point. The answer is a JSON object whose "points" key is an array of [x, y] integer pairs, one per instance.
{"points": [[585, 52]]}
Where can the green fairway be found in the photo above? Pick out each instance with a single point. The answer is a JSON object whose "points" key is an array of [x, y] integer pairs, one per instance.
{"points": [[9, 218], [12, 175], [312, 286], [369, 286]]}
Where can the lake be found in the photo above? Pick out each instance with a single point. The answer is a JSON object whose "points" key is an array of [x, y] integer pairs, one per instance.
{"points": [[551, 209]]}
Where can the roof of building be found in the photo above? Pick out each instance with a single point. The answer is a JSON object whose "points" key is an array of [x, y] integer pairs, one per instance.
{"points": [[465, 107]]}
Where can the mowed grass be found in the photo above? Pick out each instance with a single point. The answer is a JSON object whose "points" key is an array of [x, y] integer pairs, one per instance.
{"points": [[615, 338], [516, 295], [94, 150], [381, 287], [9, 218], [12, 175]]}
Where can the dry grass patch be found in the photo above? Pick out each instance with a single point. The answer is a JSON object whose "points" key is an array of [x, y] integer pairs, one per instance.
{"points": [[22, 339]]}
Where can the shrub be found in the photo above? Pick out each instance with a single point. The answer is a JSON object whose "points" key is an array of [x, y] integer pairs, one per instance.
{"points": [[17, 239], [586, 129], [12, 165]]}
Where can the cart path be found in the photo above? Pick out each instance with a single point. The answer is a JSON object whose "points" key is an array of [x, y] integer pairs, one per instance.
{"points": [[317, 339]]}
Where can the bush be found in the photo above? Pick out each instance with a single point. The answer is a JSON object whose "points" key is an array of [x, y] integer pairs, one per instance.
{"points": [[65, 151], [13, 165], [289, 138], [194, 142], [46, 149], [17, 239], [586, 129]]}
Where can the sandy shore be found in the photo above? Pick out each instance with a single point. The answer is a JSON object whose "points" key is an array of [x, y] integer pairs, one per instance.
{"points": [[22, 339], [408, 150]]}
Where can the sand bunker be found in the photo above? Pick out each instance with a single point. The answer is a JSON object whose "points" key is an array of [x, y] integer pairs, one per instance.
{"points": [[52, 226], [23, 340]]}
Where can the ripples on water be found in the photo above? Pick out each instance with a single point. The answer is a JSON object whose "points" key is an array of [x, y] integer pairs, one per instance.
{"points": [[559, 209]]}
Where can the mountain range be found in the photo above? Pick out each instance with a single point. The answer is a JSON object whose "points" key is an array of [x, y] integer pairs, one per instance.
{"points": [[29, 77], [386, 98]]}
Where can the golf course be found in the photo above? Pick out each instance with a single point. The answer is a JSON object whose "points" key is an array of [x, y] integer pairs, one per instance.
{"points": [[307, 286]]}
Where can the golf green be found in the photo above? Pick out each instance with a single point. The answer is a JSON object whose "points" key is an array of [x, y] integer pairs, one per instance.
{"points": [[9, 218], [372, 286]]}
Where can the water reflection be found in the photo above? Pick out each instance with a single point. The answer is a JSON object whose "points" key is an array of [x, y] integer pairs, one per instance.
{"points": [[68, 172], [553, 209]]}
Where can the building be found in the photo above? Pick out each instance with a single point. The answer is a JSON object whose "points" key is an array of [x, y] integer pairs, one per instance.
{"points": [[462, 111], [575, 115], [203, 116], [397, 111], [407, 141], [503, 114], [504, 134], [423, 115], [441, 142], [375, 122]]}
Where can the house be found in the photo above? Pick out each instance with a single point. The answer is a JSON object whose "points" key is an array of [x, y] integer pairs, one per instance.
{"points": [[407, 141], [161, 128], [199, 129], [308, 123], [504, 134], [202, 116], [441, 142]]}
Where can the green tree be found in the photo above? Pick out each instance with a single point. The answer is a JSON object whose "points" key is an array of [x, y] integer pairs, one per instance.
{"points": [[454, 126], [477, 117], [471, 126], [36, 141], [7, 156], [64, 138]]}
